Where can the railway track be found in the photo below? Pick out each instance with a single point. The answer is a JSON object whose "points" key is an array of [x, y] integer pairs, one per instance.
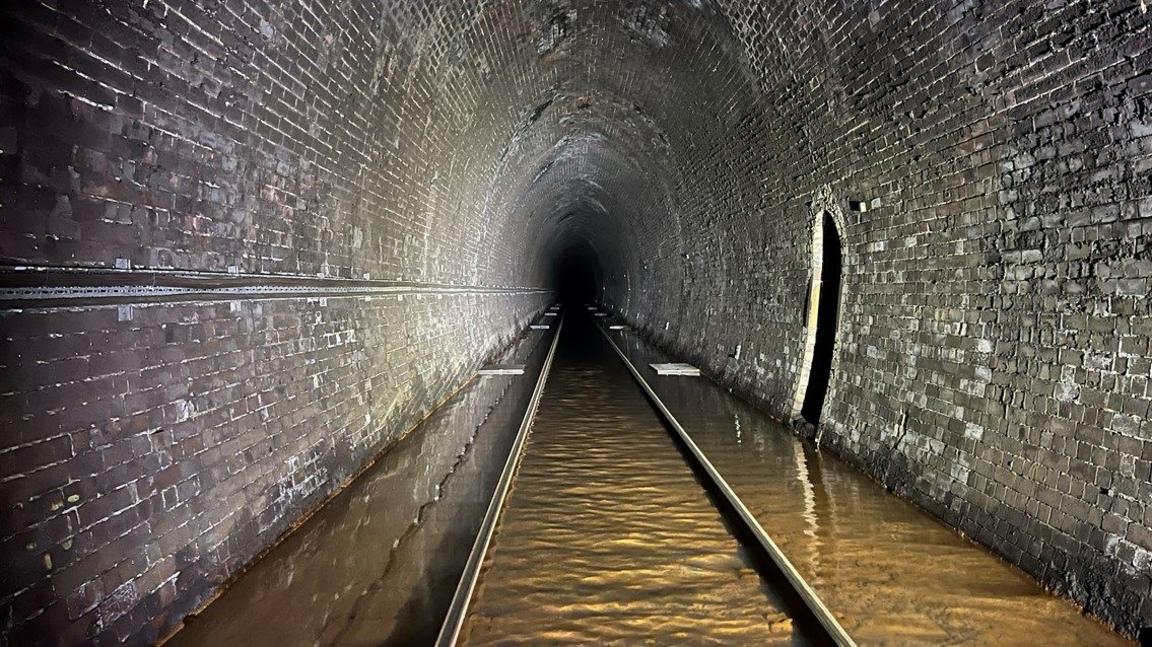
{"points": [[607, 511]]}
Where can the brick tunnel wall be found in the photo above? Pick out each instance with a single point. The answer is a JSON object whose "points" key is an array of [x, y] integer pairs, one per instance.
{"points": [[365, 198], [988, 166], [303, 171]]}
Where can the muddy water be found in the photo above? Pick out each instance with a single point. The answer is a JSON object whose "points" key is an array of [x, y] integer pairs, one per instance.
{"points": [[892, 574], [607, 537], [379, 563]]}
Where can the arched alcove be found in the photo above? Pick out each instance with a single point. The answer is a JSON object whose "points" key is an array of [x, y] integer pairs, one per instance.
{"points": [[822, 316]]}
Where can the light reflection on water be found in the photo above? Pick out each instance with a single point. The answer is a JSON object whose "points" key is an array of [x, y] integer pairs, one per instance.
{"points": [[607, 537], [805, 482], [379, 563], [890, 572]]}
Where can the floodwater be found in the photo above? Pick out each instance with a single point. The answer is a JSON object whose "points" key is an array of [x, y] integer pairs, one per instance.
{"points": [[891, 573], [379, 563], [607, 536]]}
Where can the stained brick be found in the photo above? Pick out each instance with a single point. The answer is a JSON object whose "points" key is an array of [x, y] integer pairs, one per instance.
{"points": [[994, 282]]}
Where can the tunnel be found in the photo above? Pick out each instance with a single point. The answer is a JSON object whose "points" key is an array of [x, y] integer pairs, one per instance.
{"points": [[276, 272]]}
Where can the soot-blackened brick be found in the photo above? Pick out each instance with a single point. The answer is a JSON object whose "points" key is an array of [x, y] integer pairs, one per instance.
{"points": [[986, 164]]}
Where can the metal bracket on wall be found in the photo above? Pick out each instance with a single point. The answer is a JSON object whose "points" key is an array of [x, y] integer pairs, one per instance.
{"points": [[55, 287], [676, 369], [503, 369]]}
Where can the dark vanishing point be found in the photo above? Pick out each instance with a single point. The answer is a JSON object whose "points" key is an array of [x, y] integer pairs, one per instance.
{"points": [[587, 322]]}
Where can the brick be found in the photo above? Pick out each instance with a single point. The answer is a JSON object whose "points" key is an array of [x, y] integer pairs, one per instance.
{"points": [[994, 282]]}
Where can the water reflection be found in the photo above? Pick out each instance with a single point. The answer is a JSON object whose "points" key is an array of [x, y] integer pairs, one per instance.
{"points": [[607, 536], [891, 573], [379, 563]]}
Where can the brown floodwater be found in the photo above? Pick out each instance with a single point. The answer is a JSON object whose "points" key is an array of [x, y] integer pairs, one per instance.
{"points": [[891, 573], [378, 564], [607, 536]]}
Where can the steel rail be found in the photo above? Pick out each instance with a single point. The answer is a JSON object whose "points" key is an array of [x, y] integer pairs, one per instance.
{"points": [[458, 609], [815, 605]]}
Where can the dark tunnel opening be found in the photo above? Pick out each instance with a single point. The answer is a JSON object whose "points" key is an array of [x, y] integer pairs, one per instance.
{"points": [[829, 298], [577, 275]]}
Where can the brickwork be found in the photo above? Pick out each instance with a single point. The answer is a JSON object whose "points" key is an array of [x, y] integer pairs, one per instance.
{"points": [[991, 160], [987, 163], [151, 450], [148, 457]]}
